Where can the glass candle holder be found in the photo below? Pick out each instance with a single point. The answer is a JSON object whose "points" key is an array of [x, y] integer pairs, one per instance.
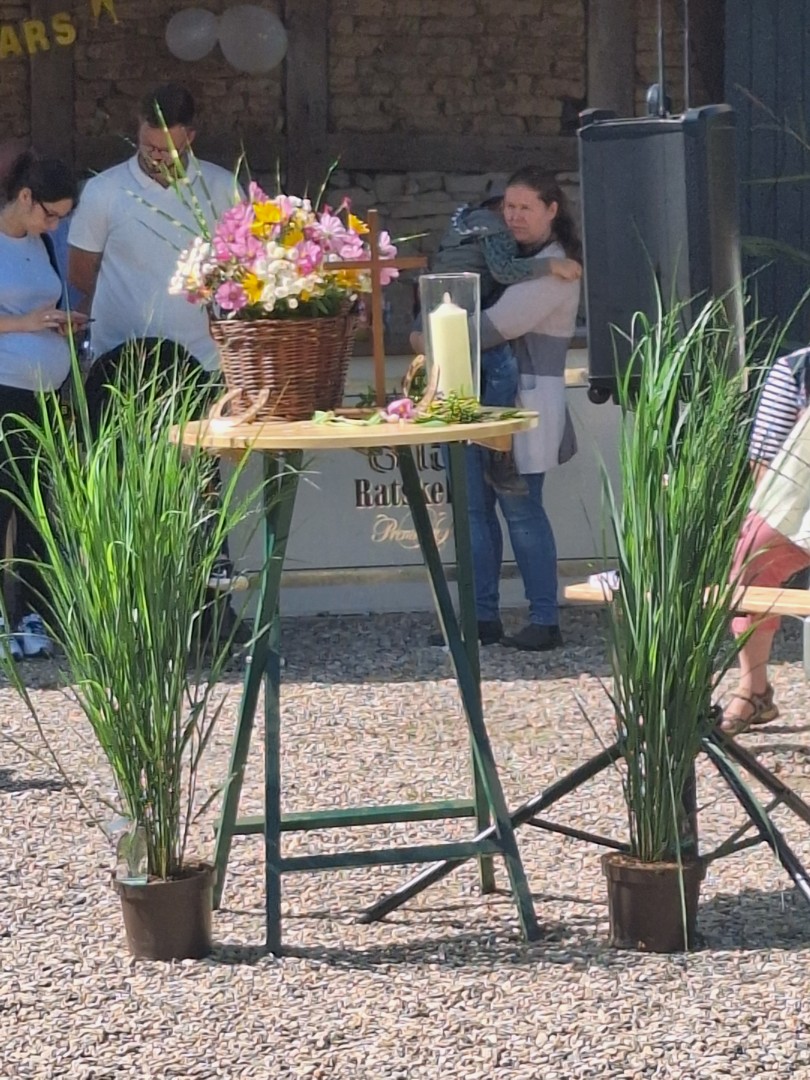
{"points": [[451, 322]]}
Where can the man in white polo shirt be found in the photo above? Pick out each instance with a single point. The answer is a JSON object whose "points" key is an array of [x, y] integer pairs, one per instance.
{"points": [[123, 251], [132, 224]]}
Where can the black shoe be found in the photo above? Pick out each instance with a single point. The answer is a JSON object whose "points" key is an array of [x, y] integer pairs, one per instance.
{"points": [[534, 638], [219, 624], [490, 632]]}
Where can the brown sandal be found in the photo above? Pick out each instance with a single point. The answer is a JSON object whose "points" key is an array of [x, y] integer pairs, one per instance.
{"points": [[763, 711]]}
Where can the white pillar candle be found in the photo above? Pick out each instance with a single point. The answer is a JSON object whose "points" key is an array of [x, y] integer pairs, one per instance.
{"points": [[450, 348]]}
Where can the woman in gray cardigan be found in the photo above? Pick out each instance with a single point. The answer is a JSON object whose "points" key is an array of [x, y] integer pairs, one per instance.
{"points": [[538, 318]]}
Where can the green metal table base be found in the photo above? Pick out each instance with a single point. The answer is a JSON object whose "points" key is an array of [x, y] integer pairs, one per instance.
{"points": [[487, 805]]}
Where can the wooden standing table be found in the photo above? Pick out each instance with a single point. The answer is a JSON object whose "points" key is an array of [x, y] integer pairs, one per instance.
{"points": [[281, 446]]}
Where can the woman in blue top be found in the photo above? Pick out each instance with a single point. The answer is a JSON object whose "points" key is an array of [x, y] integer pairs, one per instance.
{"points": [[34, 357]]}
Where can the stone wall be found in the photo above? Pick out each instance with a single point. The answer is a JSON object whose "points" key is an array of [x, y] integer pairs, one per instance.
{"points": [[484, 67], [15, 120], [417, 67], [647, 54], [115, 64], [477, 67], [419, 205]]}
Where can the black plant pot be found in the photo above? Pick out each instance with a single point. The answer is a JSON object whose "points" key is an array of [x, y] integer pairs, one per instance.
{"points": [[169, 920], [645, 904]]}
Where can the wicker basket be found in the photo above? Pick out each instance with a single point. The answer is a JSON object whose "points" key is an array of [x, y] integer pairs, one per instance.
{"points": [[301, 362]]}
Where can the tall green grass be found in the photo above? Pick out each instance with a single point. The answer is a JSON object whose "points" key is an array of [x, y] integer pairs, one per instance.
{"points": [[132, 530], [675, 515]]}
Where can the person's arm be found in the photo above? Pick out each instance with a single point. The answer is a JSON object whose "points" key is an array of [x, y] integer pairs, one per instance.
{"points": [[508, 268], [48, 317], [522, 309], [87, 237], [83, 267], [776, 415]]}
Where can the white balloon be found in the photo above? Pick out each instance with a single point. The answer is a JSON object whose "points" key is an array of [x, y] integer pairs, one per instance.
{"points": [[252, 39], [192, 34]]}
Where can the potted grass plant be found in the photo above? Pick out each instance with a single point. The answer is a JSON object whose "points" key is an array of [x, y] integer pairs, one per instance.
{"points": [[131, 528], [675, 514]]}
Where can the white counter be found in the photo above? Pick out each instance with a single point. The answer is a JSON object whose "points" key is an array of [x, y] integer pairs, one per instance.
{"points": [[352, 548]]}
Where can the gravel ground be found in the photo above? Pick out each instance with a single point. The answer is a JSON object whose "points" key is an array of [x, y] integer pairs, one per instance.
{"points": [[445, 988]]}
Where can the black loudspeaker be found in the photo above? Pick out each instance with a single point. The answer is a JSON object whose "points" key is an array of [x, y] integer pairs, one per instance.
{"points": [[659, 215]]}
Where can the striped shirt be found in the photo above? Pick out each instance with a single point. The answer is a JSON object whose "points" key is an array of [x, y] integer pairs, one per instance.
{"points": [[783, 399]]}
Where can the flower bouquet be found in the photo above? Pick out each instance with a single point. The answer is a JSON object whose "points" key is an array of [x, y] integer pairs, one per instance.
{"points": [[276, 277]]}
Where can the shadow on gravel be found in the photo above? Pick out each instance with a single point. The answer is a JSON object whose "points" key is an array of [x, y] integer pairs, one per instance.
{"points": [[394, 648], [753, 920], [579, 941], [9, 784], [579, 944]]}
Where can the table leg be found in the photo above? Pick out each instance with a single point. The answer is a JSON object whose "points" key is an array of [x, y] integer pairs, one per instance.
{"points": [[457, 480], [280, 483], [522, 816], [717, 747], [469, 690]]}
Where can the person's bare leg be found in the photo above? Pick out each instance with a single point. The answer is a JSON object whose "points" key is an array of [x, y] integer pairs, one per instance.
{"points": [[752, 688]]}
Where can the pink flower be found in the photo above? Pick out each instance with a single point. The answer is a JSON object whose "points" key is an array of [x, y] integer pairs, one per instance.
{"points": [[330, 232], [401, 409], [233, 238], [198, 296], [231, 296], [285, 205], [388, 251], [309, 256], [256, 194], [351, 247]]}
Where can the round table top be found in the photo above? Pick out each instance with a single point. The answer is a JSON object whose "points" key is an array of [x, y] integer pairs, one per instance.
{"points": [[307, 435]]}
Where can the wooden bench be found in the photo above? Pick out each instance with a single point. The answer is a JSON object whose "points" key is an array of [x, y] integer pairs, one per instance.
{"points": [[753, 600]]}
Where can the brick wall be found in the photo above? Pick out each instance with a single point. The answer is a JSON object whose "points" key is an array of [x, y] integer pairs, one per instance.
{"points": [[15, 119], [647, 54], [476, 67], [116, 64], [416, 67], [471, 66], [419, 205]]}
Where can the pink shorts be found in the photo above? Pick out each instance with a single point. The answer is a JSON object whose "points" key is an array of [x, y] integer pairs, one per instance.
{"points": [[764, 557]]}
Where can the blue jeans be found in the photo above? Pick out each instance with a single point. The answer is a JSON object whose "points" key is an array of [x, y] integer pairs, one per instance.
{"points": [[532, 542], [499, 376]]}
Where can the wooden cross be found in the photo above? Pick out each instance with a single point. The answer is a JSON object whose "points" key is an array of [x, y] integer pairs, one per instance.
{"points": [[376, 265]]}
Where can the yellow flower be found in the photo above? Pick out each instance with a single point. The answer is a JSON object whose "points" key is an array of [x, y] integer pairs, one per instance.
{"points": [[254, 287], [292, 237], [266, 214], [346, 279], [357, 225]]}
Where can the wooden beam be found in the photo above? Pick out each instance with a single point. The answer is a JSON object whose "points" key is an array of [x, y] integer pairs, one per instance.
{"points": [[306, 93], [52, 89], [750, 600], [611, 37], [451, 153]]}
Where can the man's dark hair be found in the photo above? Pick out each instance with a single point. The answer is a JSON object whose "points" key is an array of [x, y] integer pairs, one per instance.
{"points": [[170, 104]]}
